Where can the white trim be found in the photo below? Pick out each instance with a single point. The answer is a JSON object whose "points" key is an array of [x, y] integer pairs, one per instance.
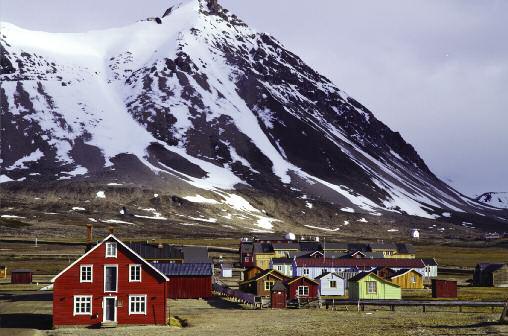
{"points": [[104, 277], [104, 308], [81, 274], [146, 304], [74, 313], [140, 271], [121, 243], [303, 287], [116, 249]]}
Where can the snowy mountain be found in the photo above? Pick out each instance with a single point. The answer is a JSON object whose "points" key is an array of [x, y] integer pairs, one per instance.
{"points": [[495, 199], [198, 98]]}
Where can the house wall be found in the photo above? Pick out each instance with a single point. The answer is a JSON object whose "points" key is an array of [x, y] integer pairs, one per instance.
{"points": [[190, 287], [68, 285], [260, 285], [324, 285], [21, 278], [430, 272], [385, 291], [314, 272], [400, 256], [404, 281], [263, 260], [285, 269], [500, 277], [293, 288], [3, 272]]}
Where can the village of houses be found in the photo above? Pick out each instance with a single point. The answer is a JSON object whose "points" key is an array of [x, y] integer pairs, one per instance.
{"points": [[116, 284]]}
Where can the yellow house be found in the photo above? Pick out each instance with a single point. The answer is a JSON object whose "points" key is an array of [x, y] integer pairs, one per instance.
{"points": [[391, 250], [285, 250], [263, 254], [408, 279]]}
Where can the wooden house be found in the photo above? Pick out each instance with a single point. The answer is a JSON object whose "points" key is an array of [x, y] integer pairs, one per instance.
{"points": [[331, 284], [282, 265], [262, 283], [369, 286], [388, 249], [251, 272], [188, 281], [3, 272], [492, 275], [302, 288], [247, 254], [278, 296], [431, 266], [21, 276], [444, 289], [109, 285], [263, 254], [407, 279], [404, 250]]}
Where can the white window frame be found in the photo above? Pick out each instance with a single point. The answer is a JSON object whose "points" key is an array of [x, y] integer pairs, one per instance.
{"points": [[413, 279], [81, 297], [131, 297], [104, 276], [334, 283], [130, 272], [306, 271], [279, 268], [270, 284], [369, 291], [303, 290], [81, 267], [109, 255]]}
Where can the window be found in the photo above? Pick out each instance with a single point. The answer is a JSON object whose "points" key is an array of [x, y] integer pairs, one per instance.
{"points": [[134, 273], [323, 271], [86, 273], [427, 269], [303, 290], [333, 284], [306, 271], [413, 279], [110, 278], [279, 268], [137, 304], [83, 305], [371, 287], [269, 285], [110, 250]]}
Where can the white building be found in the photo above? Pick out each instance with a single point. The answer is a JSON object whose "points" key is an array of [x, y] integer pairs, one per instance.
{"points": [[331, 284]]}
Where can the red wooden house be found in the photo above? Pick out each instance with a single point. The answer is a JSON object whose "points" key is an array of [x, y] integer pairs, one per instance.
{"points": [[188, 281], [302, 288], [110, 284]]}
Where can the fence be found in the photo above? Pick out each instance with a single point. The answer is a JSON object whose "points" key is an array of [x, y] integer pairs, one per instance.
{"points": [[224, 290]]}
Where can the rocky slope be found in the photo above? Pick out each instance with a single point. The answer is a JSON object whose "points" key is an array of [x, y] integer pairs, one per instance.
{"points": [[495, 199], [199, 105]]}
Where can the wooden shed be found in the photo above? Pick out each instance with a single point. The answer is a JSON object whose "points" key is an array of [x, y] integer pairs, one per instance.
{"points": [[251, 272], [492, 275], [331, 284], [279, 295], [302, 288], [3, 272], [188, 281], [407, 279], [21, 276], [444, 288], [262, 284], [369, 286]]}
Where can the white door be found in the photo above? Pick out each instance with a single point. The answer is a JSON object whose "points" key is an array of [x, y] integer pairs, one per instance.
{"points": [[109, 314]]}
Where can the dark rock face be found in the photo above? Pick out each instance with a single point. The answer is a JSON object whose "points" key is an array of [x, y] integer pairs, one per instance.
{"points": [[218, 94]]}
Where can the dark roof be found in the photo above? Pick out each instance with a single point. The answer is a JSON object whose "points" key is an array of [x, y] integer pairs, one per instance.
{"points": [[325, 274], [263, 247], [372, 255], [405, 248], [281, 261], [153, 251], [195, 255], [400, 272], [270, 237], [383, 246], [264, 273], [278, 287], [310, 246], [364, 262], [357, 247], [285, 246], [359, 276], [429, 261], [493, 267], [184, 269], [21, 270], [246, 247], [335, 246]]}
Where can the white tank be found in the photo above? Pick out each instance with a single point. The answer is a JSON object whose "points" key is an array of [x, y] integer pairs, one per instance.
{"points": [[415, 234], [290, 236]]}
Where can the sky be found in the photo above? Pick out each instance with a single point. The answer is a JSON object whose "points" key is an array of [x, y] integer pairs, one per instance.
{"points": [[434, 70]]}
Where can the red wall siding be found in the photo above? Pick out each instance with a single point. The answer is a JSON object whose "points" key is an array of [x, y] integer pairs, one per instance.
{"points": [[68, 285], [293, 288], [190, 287]]}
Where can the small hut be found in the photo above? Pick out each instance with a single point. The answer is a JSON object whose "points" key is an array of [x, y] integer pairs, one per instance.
{"points": [[279, 295], [407, 279], [369, 286], [444, 289], [21, 276]]}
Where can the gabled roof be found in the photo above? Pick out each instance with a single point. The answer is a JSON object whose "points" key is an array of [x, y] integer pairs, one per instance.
{"points": [[156, 252], [362, 275], [171, 269], [383, 246], [302, 277], [430, 262], [282, 261], [402, 272], [329, 273], [108, 238], [263, 248], [246, 247], [310, 246], [279, 287], [493, 267], [264, 273]]}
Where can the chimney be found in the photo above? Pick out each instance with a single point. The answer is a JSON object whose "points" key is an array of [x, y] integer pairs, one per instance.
{"points": [[111, 230], [89, 233]]}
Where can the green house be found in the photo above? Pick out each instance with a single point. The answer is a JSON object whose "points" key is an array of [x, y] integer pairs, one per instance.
{"points": [[368, 286]]}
